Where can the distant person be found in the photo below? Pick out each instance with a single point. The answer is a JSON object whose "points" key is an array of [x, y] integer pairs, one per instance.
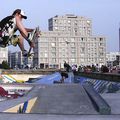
{"points": [[62, 80], [74, 68], [67, 67], [64, 76], [9, 25], [104, 69]]}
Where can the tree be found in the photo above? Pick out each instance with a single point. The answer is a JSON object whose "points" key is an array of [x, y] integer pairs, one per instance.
{"points": [[5, 65]]}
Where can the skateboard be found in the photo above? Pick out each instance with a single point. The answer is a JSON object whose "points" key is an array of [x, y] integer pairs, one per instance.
{"points": [[35, 36]]}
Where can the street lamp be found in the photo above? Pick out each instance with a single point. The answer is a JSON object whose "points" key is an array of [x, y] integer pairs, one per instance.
{"points": [[67, 42]]}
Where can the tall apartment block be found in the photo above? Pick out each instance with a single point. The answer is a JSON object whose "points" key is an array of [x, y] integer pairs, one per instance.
{"points": [[69, 39], [76, 25], [3, 54]]}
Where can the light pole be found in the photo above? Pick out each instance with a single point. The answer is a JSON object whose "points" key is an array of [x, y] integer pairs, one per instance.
{"points": [[67, 42]]}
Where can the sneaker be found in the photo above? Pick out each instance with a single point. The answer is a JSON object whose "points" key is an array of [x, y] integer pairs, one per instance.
{"points": [[25, 53], [2, 44]]}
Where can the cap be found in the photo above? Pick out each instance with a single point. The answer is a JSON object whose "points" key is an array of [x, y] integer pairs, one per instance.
{"points": [[23, 14], [19, 11]]}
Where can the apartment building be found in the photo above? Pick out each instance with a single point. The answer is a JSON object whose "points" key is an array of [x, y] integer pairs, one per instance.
{"points": [[76, 25], [69, 39]]}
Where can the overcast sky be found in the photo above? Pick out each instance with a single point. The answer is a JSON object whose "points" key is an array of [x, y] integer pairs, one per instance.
{"points": [[105, 14]]}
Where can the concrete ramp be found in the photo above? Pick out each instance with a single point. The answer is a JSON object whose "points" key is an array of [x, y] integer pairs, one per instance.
{"points": [[63, 99]]}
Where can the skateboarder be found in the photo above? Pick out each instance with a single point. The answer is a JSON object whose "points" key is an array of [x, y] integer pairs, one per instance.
{"points": [[8, 27]]}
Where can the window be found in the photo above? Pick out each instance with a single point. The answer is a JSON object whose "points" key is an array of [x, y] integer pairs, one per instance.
{"points": [[72, 44], [82, 39], [100, 44], [55, 20], [82, 49], [53, 44], [46, 55], [72, 39], [56, 28], [53, 60], [69, 21], [101, 39], [73, 60]]}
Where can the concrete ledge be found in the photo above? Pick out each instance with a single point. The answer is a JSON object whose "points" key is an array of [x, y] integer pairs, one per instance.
{"points": [[27, 71], [100, 76], [100, 104]]}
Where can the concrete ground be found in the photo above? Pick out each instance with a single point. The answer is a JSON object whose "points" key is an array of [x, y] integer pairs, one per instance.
{"points": [[57, 117], [113, 99]]}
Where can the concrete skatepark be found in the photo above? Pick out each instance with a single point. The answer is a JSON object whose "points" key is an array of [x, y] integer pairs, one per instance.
{"points": [[61, 101]]}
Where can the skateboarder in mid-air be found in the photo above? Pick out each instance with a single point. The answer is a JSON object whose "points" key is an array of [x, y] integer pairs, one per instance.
{"points": [[8, 27]]}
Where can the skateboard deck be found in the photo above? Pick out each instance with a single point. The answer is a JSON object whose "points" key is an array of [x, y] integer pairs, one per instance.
{"points": [[35, 36]]}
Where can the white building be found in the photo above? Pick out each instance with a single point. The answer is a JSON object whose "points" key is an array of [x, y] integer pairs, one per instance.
{"points": [[3, 54], [69, 39], [111, 57]]}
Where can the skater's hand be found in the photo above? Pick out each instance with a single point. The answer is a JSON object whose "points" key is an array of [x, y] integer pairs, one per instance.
{"points": [[29, 29], [38, 34]]}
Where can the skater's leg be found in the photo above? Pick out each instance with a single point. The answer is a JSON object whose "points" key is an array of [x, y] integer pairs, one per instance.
{"points": [[21, 45]]}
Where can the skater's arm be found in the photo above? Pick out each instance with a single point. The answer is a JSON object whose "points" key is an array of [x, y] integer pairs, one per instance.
{"points": [[21, 28]]}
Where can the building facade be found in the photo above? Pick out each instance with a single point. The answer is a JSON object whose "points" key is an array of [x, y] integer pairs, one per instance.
{"points": [[69, 39], [3, 54], [76, 25], [16, 60], [113, 59]]}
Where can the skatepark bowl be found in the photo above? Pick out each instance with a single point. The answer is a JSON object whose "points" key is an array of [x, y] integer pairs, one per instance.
{"points": [[70, 99]]}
